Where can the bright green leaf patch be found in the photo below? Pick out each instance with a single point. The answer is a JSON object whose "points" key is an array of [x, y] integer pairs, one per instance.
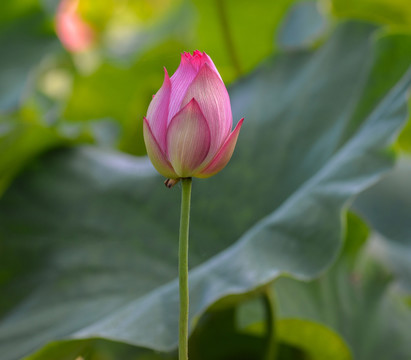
{"points": [[230, 29], [404, 140], [317, 340], [395, 13], [95, 349]]}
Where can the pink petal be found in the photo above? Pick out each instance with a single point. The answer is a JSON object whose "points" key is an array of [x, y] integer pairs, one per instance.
{"points": [[180, 82], [212, 97], [209, 62], [188, 140], [157, 112], [155, 154], [223, 156]]}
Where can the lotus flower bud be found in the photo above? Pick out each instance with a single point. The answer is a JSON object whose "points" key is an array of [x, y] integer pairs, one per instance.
{"points": [[187, 130], [74, 33]]}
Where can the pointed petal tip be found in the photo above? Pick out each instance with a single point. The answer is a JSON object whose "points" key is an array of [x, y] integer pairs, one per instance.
{"points": [[145, 121], [206, 65], [192, 106], [223, 156], [208, 68], [193, 103], [166, 76]]}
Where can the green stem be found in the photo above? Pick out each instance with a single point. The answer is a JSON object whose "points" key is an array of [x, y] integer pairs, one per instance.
{"points": [[269, 303], [183, 267]]}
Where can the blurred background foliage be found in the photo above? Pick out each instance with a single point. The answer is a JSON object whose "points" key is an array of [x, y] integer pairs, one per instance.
{"points": [[64, 96], [52, 97]]}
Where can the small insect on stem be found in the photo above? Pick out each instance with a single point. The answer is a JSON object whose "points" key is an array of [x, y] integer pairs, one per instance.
{"points": [[171, 182]]}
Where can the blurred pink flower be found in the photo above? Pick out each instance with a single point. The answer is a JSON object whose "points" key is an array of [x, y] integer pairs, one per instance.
{"points": [[187, 130], [74, 33]]}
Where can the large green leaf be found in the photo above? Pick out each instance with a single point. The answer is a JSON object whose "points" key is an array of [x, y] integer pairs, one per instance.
{"points": [[356, 299], [88, 237], [387, 206]]}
